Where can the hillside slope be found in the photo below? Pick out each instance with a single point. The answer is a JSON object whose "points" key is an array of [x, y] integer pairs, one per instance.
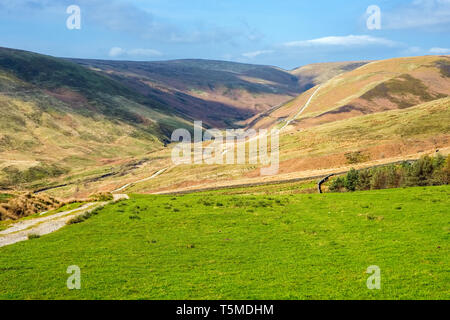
{"points": [[317, 73], [374, 87], [222, 94], [58, 117]]}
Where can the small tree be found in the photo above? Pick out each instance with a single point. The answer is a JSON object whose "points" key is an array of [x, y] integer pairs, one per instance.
{"points": [[441, 174], [379, 179], [393, 176], [421, 172], [364, 180], [351, 180]]}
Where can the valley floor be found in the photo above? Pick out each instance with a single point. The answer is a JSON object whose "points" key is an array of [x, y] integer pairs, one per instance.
{"points": [[225, 246]]}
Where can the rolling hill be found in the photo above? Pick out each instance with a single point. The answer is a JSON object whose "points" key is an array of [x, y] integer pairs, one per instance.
{"points": [[374, 87], [380, 86], [81, 119], [317, 73], [403, 112], [58, 118], [93, 125], [221, 94]]}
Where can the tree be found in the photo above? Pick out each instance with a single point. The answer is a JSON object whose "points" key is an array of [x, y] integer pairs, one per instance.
{"points": [[351, 180], [421, 172], [364, 180], [379, 179]]}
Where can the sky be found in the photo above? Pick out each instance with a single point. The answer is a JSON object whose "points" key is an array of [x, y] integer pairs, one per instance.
{"points": [[283, 33]]}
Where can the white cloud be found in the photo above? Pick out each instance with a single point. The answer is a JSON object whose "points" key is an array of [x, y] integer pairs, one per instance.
{"points": [[144, 52], [254, 54], [440, 50], [418, 14], [129, 17], [116, 52], [343, 41], [413, 51]]}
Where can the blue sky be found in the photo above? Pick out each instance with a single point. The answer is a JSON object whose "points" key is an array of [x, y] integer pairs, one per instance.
{"points": [[283, 33]]}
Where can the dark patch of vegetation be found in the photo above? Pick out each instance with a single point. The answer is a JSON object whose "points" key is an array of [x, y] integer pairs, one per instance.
{"points": [[32, 236], [85, 216], [105, 196], [398, 89], [356, 157], [353, 66], [15, 177], [427, 171], [444, 67], [8, 143]]}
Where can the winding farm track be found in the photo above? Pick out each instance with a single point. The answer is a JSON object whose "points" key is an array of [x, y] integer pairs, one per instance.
{"points": [[156, 174], [305, 106], [41, 226], [126, 186], [161, 171]]}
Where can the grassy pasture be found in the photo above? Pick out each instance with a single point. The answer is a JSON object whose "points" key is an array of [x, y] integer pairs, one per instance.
{"points": [[225, 246]]}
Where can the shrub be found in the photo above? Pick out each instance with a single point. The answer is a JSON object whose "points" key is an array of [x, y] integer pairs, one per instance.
{"points": [[442, 171], [364, 179], [351, 180], [337, 185], [420, 173], [378, 179], [75, 220], [85, 216], [356, 157]]}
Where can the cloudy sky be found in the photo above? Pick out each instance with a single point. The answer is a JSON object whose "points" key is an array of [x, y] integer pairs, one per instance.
{"points": [[284, 33]]}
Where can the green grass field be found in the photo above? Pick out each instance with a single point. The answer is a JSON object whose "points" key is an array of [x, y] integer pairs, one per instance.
{"points": [[222, 246]]}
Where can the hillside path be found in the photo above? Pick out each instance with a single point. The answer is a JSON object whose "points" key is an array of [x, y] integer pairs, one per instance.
{"points": [[157, 173], [40, 226], [306, 105]]}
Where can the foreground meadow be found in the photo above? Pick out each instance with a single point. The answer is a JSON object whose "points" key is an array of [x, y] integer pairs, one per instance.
{"points": [[227, 246]]}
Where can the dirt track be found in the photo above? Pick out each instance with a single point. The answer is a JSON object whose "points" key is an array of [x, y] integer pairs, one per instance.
{"points": [[45, 225]]}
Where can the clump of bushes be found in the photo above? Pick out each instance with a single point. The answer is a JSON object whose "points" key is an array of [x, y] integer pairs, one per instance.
{"points": [[83, 217], [356, 157], [27, 204], [105, 196], [427, 171]]}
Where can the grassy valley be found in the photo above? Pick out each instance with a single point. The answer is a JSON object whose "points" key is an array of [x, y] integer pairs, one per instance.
{"points": [[92, 139]]}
